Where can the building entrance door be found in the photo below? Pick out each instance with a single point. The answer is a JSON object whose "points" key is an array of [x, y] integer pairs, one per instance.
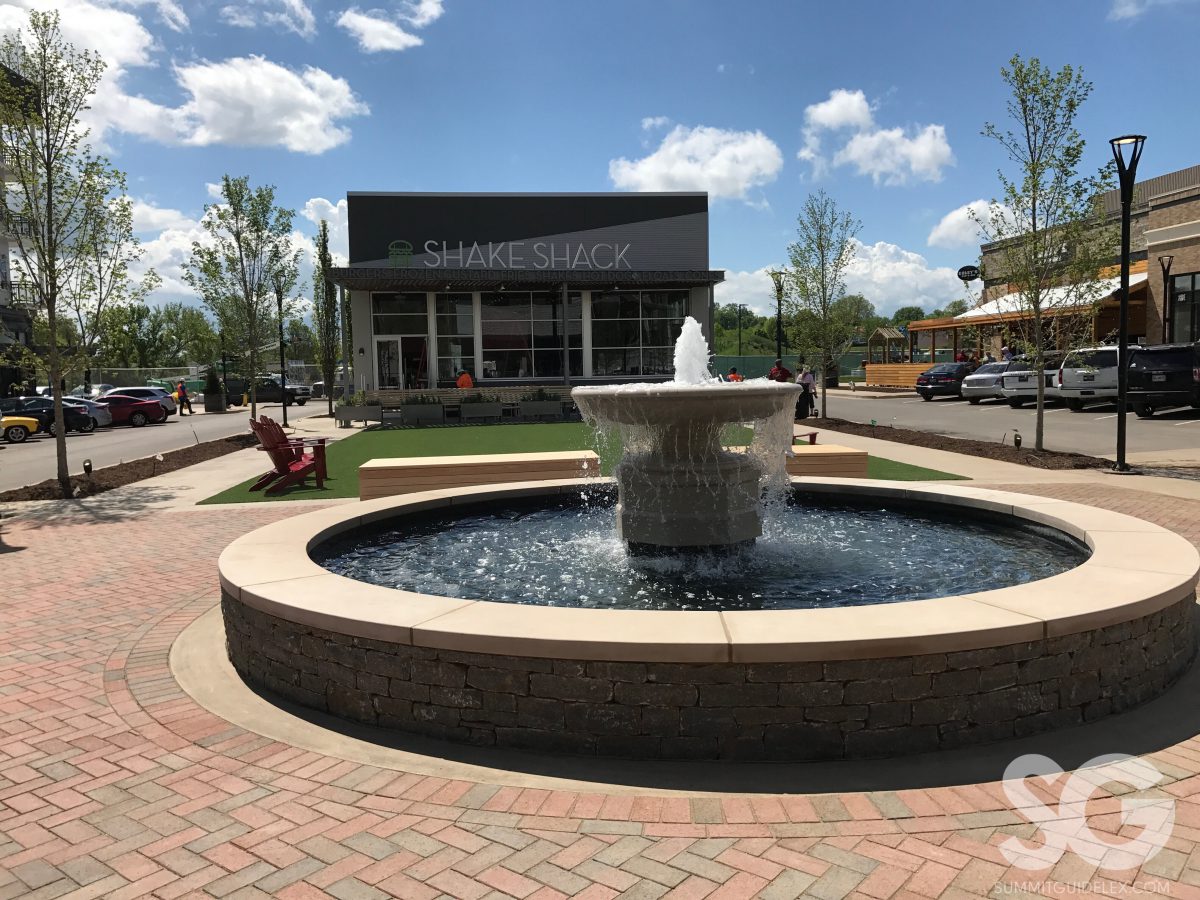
{"points": [[387, 356], [402, 362]]}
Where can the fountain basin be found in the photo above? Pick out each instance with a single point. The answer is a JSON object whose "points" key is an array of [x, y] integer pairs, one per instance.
{"points": [[795, 684]]}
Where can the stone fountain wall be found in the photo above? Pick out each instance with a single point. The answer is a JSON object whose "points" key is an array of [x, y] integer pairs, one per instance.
{"points": [[796, 711]]}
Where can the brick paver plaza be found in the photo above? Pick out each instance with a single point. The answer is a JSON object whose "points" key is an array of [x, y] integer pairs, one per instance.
{"points": [[114, 783]]}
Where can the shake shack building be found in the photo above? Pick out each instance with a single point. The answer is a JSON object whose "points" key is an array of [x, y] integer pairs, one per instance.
{"points": [[523, 288]]}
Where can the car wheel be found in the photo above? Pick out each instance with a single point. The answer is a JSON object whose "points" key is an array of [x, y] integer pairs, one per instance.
{"points": [[1144, 410], [287, 401], [974, 401], [50, 430], [1016, 403], [301, 402], [16, 434], [927, 397], [88, 427], [1075, 405], [138, 419]]}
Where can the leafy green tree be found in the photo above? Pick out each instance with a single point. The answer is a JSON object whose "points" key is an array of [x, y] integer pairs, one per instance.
{"points": [[46, 84], [823, 249], [757, 332], [906, 314], [851, 316], [147, 337], [325, 313], [301, 340], [246, 256], [1048, 220]]}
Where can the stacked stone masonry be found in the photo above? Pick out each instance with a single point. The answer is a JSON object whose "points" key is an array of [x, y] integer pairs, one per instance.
{"points": [[794, 711]]}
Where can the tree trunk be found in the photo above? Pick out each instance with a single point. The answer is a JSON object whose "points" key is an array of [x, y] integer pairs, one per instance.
{"points": [[1039, 362], [60, 422]]}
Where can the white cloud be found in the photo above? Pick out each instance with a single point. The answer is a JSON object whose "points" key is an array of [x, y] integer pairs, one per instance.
{"points": [[170, 12], [755, 289], [290, 15], [1131, 9], [337, 216], [724, 163], [150, 218], [253, 102], [889, 155], [890, 277], [421, 12], [375, 34], [959, 227], [650, 122], [213, 189]]}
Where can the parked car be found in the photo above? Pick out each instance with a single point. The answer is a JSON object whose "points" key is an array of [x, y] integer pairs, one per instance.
{"points": [[267, 390], [1088, 375], [17, 429], [318, 389], [984, 382], [97, 409], [162, 395], [75, 416], [135, 411], [1165, 375], [1018, 384], [943, 380]]}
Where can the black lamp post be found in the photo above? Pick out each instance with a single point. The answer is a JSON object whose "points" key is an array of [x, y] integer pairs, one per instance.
{"points": [[1130, 144], [282, 350], [777, 277], [1168, 325], [741, 308]]}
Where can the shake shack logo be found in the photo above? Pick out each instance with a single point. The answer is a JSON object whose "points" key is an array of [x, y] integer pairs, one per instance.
{"points": [[597, 255]]}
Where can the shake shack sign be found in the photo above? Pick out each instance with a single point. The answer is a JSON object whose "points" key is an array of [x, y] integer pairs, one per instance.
{"points": [[599, 255], [515, 232]]}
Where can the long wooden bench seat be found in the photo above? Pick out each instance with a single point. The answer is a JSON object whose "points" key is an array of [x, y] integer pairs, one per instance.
{"points": [[388, 477], [453, 397], [827, 461]]}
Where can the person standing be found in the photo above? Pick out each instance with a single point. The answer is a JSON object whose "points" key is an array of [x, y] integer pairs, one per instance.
{"points": [[464, 380], [804, 405], [183, 399], [779, 372]]}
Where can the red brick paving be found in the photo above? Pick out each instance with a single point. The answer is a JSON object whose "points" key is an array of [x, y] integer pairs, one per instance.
{"points": [[113, 783]]}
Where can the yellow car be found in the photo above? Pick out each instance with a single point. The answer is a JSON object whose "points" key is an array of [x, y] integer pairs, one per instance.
{"points": [[17, 428]]}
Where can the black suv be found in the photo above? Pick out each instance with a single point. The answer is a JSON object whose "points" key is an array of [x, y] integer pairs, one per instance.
{"points": [[75, 416], [1166, 375], [266, 391]]}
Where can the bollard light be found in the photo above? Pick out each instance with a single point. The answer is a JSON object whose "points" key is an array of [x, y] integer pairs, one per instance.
{"points": [[87, 467]]}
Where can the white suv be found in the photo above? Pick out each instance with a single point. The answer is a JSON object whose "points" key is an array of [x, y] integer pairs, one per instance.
{"points": [[1088, 375]]}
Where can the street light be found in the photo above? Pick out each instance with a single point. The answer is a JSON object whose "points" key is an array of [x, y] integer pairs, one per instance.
{"points": [[741, 308], [1127, 172], [1168, 325], [777, 277]]}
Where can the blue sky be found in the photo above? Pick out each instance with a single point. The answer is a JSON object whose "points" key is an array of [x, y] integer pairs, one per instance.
{"points": [[759, 103]]}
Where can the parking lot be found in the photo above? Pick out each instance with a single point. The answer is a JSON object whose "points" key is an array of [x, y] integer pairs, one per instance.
{"points": [[1170, 437], [34, 460]]}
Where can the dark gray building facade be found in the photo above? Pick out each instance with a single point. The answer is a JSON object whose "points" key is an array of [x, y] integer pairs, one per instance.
{"points": [[523, 288]]}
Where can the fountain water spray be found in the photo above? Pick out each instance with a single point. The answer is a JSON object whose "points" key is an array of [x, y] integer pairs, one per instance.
{"points": [[677, 485]]}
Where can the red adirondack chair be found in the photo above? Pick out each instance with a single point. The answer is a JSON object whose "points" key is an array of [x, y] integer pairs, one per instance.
{"points": [[290, 463]]}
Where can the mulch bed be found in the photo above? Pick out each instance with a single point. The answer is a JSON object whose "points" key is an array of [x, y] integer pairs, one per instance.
{"points": [[111, 477], [1026, 456]]}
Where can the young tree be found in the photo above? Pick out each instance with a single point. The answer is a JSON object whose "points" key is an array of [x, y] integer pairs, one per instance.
{"points": [[139, 336], [1048, 222], [236, 269], [325, 313], [906, 314], [45, 85], [819, 257], [101, 281]]}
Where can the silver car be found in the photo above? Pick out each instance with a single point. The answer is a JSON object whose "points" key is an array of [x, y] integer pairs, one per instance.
{"points": [[162, 395], [99, 411], [984, 382]]}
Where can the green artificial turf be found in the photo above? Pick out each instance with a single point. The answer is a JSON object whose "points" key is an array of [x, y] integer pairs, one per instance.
{"points": [[344, 456]]}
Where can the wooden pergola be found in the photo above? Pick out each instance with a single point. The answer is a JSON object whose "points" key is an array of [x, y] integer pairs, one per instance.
{"points": [[883, 337]]}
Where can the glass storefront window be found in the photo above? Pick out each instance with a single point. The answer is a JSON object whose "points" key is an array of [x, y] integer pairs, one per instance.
{"points": [[398, 314], [455, 336], [1185, 318], [522, 334], [634, 332]]}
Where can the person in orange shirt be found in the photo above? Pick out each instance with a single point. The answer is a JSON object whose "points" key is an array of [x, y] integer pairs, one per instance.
{"points": [[464, 380], [734, 376]]}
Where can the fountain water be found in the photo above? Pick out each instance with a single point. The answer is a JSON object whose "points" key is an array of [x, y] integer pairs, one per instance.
{"points": [[677, 485]]}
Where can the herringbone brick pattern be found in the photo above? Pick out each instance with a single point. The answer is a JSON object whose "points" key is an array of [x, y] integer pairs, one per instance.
{"points": [[115, 784]]}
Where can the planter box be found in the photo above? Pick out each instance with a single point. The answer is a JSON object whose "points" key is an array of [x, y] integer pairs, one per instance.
{"points": [[215, 403], [469, 411], [540, 409], [423, 414], [345, 415]]}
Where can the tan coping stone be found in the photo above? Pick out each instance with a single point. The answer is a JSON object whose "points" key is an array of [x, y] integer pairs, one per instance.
{"points": [[1136, 569], [1091, 596], [912, 628], [478, 459], [593, 634], [345, 606]]}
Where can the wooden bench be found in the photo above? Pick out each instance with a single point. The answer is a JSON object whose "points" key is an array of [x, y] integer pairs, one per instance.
{"points": [[827, 461], [388, 477]]}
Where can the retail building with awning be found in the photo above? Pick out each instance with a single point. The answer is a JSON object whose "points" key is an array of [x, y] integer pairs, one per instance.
{"points": [[985, 328], [523, 288]]}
